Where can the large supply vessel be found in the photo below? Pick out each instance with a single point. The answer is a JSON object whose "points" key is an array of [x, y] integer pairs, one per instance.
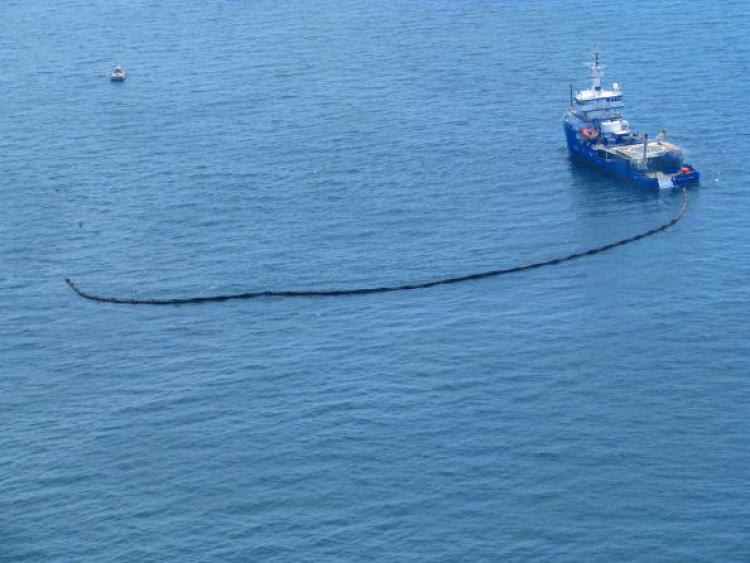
{"points": [[597, 134]]}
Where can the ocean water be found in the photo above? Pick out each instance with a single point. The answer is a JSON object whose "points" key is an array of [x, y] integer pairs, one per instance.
{"points": [[595, 411]]}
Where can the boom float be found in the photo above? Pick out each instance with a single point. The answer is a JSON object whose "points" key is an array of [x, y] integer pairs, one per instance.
{"points": [[386, 289]]}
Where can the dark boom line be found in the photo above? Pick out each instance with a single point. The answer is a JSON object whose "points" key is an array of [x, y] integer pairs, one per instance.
{"points": [[386, 289]]}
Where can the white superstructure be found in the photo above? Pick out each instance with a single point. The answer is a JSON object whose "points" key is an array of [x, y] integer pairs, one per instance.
{"points": [[599, 103]]}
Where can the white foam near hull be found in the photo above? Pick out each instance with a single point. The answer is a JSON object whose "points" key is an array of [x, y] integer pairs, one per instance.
{"points": [[665, 183]]}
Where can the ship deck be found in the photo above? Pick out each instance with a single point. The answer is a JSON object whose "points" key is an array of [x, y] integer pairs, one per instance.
{"points": [[635, 152]]}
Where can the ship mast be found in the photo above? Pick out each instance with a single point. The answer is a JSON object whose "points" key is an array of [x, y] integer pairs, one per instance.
{"points": [[597, 71]]}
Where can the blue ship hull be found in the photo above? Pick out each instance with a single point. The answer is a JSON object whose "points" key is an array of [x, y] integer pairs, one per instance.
{"points": [[585, 152]]}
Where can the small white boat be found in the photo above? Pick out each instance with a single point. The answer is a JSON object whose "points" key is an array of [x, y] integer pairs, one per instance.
{"points": [[118, 74]]}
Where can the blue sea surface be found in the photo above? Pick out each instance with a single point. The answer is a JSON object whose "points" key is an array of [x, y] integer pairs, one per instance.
{"points": [[592, 411]]}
